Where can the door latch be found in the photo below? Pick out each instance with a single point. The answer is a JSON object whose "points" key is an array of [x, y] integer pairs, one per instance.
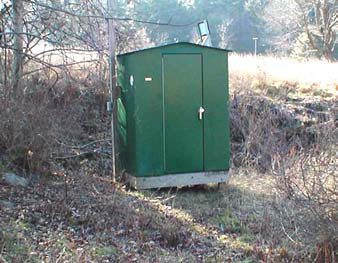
{"points": [[201, 110]]}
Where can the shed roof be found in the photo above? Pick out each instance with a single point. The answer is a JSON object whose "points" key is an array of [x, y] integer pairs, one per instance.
{"points": [[173, 44]]}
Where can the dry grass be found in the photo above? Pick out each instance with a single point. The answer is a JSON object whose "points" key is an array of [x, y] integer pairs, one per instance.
{"points": [[98, 223], [310, 77], [283, 120]]}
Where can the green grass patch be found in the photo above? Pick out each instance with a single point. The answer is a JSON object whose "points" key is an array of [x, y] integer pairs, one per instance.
{"points": [[104, 251], [228, 222]]}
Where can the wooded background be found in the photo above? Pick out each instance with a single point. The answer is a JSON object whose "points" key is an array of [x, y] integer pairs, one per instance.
{"points": [[30, 30]]}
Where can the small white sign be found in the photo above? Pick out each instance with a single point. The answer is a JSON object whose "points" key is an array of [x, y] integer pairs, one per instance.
{"points": [[131, 80], [148, 79]]}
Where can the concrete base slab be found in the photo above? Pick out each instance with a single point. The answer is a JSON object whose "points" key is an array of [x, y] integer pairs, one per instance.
{"points": [[174, 180]]}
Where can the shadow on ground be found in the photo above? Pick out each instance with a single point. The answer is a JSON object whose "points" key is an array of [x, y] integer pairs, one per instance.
{"points": [[83, 218]]}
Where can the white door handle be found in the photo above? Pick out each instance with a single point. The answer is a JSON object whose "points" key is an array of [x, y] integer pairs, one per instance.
{"points": [[201, 110]]}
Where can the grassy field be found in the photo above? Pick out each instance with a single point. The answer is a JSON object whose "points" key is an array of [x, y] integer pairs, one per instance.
{"points": [[76, 214], [305, 78]]}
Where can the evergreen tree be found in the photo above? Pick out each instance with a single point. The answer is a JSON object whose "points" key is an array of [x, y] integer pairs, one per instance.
{"points": [[171, 12]]}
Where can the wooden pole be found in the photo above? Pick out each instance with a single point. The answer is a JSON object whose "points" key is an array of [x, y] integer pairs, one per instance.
{"points": [[255, 39], [112, 85]]}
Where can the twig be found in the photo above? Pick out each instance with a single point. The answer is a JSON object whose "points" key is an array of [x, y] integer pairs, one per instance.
{"points": [[97, 151], [288, 236], [95, 189], [81, 146], [112, 17], [73, 156]]}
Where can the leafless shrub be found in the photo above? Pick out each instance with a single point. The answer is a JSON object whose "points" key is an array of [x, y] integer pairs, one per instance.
{"points": [[308, 177], [262, 128], [296, 141], [47, 121]]}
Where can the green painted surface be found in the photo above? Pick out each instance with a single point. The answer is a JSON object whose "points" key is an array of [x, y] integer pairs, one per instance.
{"points": [[183, 131], [148, 114], [216, 102], [147, 150]]}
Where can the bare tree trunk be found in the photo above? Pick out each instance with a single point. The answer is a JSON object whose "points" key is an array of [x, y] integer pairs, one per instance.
{"points": [[325, 21], [5, 64], [17, 46]]}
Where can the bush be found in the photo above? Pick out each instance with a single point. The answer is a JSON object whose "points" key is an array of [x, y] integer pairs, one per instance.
{"points": [[45, 121], [262, 128], [294, 138], [308, 178]]}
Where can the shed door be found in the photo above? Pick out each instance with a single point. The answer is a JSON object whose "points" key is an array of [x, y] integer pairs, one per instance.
{"points": [[183, 130]]}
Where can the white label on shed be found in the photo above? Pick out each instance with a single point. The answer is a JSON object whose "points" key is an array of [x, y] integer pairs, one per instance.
{"points": [[148, 79], [131, 80]]}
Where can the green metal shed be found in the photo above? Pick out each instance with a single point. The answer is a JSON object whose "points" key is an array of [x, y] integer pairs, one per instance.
{"points": [[173, 115]]}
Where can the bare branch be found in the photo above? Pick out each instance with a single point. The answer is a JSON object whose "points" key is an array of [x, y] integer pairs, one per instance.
{"points": [[107, 17]]}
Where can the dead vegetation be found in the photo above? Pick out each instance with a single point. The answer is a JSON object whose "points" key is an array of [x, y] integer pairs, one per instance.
{"points": [[280, 204], [287, 130], [53, 121]]}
